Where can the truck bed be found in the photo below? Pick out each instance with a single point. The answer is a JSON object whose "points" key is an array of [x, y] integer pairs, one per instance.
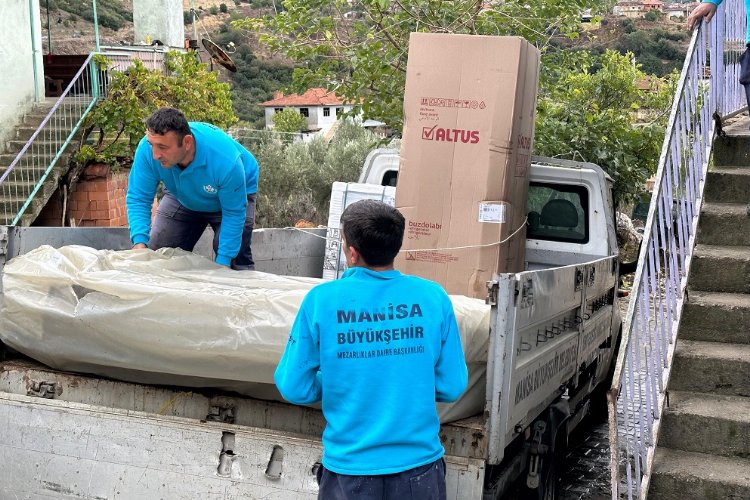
{"points": [[87, 437]]}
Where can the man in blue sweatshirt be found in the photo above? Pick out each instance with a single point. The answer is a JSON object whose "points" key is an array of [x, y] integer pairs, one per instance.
{"points": [[379, 348], [209, 179]]}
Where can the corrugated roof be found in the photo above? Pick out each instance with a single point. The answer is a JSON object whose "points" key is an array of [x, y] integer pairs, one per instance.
{"points": [[312, 97]]}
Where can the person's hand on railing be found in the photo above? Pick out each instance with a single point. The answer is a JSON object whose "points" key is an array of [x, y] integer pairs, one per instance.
{"points": [[703, 10]]}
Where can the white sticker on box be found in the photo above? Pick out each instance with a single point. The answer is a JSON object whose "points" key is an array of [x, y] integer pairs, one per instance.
{"points": [[492, 212]]}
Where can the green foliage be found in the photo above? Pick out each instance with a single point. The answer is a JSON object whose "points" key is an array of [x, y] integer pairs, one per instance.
{"points": [[363, 56], [628, 25], [223, 8], [295, 179], [289, 121], [255, 80], [656, 50], [651, 16], [596, 115], [133, 95], [213, 10], [110, 13]]}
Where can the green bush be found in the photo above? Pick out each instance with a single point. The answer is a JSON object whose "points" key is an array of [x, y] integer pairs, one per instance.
{"points": [[651, 16], [628, 26], [295, 179], [223, 8], [213, 10], [133, 95]]}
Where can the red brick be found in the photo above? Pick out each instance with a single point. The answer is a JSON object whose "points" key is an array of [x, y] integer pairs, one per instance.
{"points": [[103, 223], [98, 195]]}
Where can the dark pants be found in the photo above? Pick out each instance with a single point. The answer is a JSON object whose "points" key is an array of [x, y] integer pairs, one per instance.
{"points": [[745, 73], [178, 227], [426, 482]]}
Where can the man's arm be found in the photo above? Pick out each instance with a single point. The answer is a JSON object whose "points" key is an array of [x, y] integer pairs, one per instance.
{"points": [[296, 375], [233, 200], [142, 185], [451, 375], [707, 9]]}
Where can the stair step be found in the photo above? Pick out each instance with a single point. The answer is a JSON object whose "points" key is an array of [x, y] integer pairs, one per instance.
{"points": [[720, 269], [41, 159], [707, 423], [36, 147], [728, 185], [732, 149], [53, 132], [712, 367], [724, 224], [680, 475], [716, 317]]}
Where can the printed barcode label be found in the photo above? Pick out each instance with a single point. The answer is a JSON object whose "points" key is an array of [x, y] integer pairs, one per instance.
{"points": [[492, 212]]}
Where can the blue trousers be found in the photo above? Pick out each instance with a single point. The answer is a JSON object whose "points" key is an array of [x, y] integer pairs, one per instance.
{"points": [[176, 226], [426, 482]]}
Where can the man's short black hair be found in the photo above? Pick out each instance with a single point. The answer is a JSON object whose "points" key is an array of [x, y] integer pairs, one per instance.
{"points": [[164, 120], [375, 229]]}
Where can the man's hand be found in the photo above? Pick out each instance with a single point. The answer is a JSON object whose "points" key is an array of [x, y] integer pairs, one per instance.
{"points": [[139, 245], [704, 10]]}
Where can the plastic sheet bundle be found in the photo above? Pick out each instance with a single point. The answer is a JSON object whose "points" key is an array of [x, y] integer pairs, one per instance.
{"points": [[173, 317]]}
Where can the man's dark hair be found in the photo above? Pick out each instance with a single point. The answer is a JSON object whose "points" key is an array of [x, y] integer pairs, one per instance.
{"points": [[164, 120], [375, 229]]}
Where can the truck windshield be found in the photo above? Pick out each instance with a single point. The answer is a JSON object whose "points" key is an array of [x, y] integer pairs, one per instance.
{"points": [[558, 212]]}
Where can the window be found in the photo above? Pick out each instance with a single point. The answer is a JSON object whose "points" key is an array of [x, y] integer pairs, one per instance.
{"points": [[304, 112], [278, 110], [558, 212], [326, 111]]}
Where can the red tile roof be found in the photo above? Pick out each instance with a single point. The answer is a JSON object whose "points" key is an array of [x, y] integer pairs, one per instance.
{"points": [[312, 97]]}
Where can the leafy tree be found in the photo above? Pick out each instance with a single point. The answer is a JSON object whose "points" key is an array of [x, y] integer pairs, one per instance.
{"points": [[295, 179], [289, 121], [255, 80], [364, 57], [628, 25], [651, 16], [593, 115], [133, 95]]}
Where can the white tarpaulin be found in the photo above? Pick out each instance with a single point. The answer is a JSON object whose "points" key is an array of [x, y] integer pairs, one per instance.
{"points": [[173, 317]]}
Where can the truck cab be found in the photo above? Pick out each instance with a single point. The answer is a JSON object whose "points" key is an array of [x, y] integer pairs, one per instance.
{"points": [[570, 208]]}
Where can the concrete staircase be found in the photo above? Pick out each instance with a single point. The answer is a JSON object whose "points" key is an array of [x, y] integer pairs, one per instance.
{"points": [[17, 188], [704, 443]]}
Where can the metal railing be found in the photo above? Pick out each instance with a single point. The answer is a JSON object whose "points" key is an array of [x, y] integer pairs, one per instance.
{"points": [[43, 151], [708, 84]]}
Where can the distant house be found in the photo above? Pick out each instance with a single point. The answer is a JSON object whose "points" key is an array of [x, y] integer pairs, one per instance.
{"points": [[677, 10], [656, 5], [628, 8], [637, 8], [320, 108]]}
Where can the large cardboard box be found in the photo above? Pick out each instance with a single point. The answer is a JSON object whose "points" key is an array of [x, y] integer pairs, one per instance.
{"points": [[469, 109]]}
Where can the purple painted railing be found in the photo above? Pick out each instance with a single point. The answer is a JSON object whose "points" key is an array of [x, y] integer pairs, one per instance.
{"points": [[636, 398]]}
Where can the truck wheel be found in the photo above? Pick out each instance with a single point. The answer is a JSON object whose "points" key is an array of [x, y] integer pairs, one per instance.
{"points": [[549, 489]]}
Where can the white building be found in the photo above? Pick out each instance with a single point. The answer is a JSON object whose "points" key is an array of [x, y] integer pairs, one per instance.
{"points": [[22, 82], [320, 108]]}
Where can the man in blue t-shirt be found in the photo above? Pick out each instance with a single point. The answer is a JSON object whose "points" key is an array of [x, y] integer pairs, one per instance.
{"points": [[378, 348], [209, 179]]}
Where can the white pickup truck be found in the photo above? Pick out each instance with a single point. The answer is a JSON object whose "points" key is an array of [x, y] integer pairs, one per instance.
{"points": [[553, 336]]}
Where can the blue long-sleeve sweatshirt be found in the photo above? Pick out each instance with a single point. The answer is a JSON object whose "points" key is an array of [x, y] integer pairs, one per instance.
{"points": [[219, 178], [747, 13], [379, 349]]}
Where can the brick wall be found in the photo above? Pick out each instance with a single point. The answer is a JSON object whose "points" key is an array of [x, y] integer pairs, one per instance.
{"points": [[99, 201]]}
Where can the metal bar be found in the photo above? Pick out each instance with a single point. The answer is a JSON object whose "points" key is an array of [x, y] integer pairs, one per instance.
{"points": [[636, 397]]}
